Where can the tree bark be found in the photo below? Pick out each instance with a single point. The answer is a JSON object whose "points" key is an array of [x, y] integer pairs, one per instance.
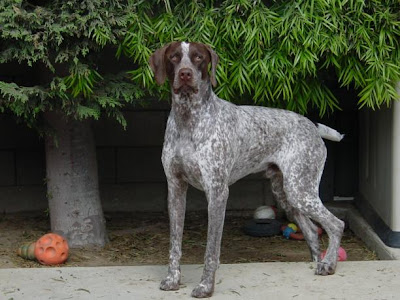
{"points": [[72, 182]]}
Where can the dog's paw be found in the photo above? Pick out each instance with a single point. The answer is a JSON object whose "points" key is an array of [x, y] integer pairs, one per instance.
{"points": [[203, 291], [324, 268], [169, 284]]}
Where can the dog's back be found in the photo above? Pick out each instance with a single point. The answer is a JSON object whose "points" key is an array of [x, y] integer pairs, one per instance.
{"points": [[264, 136]]}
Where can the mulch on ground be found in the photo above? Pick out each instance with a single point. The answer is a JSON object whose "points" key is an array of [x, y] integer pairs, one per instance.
{"points": [[137, 239]]}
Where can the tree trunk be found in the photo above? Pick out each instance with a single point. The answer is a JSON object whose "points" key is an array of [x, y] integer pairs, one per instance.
{"points": [[72, 182]]}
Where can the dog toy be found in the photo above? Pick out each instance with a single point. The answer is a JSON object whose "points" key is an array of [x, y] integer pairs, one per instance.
{"points": [[50, 249], [290, 229], [342, 255], [294, 232], [265, 212]]}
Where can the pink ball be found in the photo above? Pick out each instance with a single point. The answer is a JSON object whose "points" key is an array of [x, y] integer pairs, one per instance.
{"points": [[342, 255]]}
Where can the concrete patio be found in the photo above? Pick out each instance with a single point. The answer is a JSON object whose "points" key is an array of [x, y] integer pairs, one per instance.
{"points": [[353, 280], [360, 280]]}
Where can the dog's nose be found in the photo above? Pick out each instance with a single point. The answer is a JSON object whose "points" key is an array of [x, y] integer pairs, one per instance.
{"points": [[185, 74]]}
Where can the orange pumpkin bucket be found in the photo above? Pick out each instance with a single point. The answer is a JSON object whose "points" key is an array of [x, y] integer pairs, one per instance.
{"points": [[51, 249]]}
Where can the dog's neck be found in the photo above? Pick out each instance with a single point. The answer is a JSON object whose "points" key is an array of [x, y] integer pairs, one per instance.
{"points": [[188, 108]]}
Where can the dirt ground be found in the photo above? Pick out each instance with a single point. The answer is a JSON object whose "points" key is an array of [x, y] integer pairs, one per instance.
{"points": [[138, 239]]}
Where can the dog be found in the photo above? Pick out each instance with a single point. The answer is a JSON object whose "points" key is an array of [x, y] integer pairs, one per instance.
{"points": [[211, 143]]}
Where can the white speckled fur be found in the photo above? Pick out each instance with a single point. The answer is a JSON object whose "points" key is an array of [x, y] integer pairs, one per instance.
{"points": [[211, 143]]}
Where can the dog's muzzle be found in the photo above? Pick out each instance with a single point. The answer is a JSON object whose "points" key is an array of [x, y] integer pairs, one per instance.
{"points": [[185, 82]]}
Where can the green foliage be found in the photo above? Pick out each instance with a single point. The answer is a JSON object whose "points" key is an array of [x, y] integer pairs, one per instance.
{"points": [[23, 101], [68, 38], [278, 52], [81, 80], [272, 52]]}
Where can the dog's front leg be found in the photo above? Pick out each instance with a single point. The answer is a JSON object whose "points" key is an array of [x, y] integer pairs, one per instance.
{"points": [[217, 198], [177, 189]]}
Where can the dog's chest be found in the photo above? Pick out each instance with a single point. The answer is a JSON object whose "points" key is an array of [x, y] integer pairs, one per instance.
{"points": [[186, 158]]}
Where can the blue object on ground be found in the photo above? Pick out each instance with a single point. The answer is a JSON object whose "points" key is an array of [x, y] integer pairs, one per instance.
{"points": [[287, 232]]}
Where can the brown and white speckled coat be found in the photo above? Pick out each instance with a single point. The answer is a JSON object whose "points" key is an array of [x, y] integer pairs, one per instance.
{"points": [[211, 143]]}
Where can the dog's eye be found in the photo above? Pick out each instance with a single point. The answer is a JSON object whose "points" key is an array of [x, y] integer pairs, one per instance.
{"points": [[174, 57], [198, 57]]}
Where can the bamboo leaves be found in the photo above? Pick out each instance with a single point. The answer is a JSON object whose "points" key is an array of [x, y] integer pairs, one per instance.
{"points": [[275, 53], [82, 80]]}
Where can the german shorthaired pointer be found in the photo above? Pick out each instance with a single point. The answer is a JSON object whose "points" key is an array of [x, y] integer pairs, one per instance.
{"points": [[211, 143]]}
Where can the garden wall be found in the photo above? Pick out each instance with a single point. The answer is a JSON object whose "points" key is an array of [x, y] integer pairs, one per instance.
{"points": [[130, 170]]}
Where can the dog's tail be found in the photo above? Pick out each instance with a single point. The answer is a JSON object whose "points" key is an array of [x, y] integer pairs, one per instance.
{"points": [[329, 133]]}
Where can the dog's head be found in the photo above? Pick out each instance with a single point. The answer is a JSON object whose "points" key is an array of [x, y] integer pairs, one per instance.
{"points": [[185, 65]]}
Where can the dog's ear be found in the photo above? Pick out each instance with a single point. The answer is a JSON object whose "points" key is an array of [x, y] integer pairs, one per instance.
{"points": [[157, 64], [214, 62]]}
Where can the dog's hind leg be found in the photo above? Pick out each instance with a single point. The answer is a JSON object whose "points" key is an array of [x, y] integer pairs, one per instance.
{"points": [[302, 173], [310, 232], [275, 175], [309, 229], [334, 228], [306, 202]]}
